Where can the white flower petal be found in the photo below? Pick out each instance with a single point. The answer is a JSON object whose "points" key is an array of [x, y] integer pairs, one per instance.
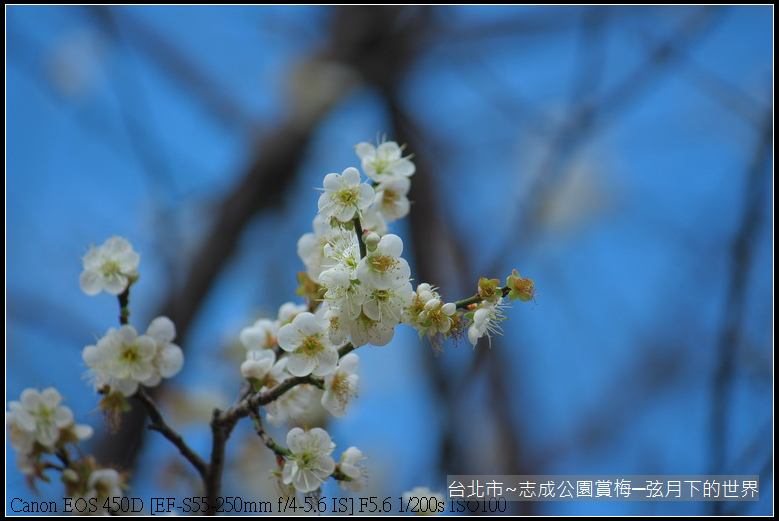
{"points": [[289, 337], [364, 150], [83, 432], [300, 366], [351, 177], [162, 330], [326, 362], [296, 440], [30, 399], [91, 282], [171, 360], [63, 417], [332, 182], [348, 363], [115, 283], [388, 151]]}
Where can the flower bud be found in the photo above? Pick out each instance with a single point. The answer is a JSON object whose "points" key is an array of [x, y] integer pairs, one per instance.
{"points": [[489, 289], [371, 240]]}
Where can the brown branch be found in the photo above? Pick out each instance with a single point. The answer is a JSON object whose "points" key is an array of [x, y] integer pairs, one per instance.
{"points": [[242, 409], [223, 423], [265, 437], [158, 424]]}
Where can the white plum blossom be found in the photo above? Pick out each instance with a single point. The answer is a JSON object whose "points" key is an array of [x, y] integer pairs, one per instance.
{"points": [[104, 484], [343, 293], [307, 340], [39, 418], [311, 246], [436, 317], [364, 330], [344, 195], [341, 385], [384, 161], [258, 365], [345, 255], [350, 467], [288, 311], [261, 335], [169, 357], [291, 406], [338, 331], [486, 320], [310, 463], [278, 373], [109, 267], [122, 359], [411, 313], [26, 463], [425, 292], [427, 313], [386, 305], [22, 440], [391, 198], [384, 267]]}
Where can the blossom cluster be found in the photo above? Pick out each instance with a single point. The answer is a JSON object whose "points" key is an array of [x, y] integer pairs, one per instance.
{"points": [[358, 289], [310, 462], [123, 359], [38, 424], [365, 286]]}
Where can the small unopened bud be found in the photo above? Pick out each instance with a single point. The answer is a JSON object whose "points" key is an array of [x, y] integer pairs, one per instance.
{"points": [[371, 240], [489, 289], [432, 304]]}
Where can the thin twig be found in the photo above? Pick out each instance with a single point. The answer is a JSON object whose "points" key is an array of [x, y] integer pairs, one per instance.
{"points": [[158, 424], [265, 437], [358, 231], [124, 306]]}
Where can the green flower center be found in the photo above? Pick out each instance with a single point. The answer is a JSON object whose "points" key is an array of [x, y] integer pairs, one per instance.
{"points": [[381, 263], [346, 197], [111, 268], [310, 345], [130, 354]]}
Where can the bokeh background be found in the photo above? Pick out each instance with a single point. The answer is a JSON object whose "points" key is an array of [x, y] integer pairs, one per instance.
{"points": [[622, 157]]}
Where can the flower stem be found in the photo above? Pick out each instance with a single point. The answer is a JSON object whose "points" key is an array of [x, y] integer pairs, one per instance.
{"points": [[265, 437], [476, 298], [124, 306], [346, 349], [158, 424], [358, 231]]}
